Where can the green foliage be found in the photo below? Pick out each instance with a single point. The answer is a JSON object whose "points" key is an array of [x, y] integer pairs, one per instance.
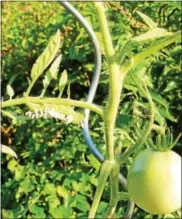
{"points": [[46, 57], [10, 91], [55, 174]]}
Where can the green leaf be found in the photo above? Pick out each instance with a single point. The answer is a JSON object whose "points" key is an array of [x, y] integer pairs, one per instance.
{"points": [[78, 186], [7, 150], [155, 47], [20, 172], [93, 162], [49, 189], [135, 77], [171, 85], [17, 119], [62, 192], [26, 185], [93, 180], [160, 44], [51, 74], [82, 203], [130, 87], [46, 57], [53, 201], [124, 196], [8, 214], [55, 66], [83, 206], [56, 212], [37, 211], [160, 100], [123, 120], [147, 20], [12, 165], [102, 207], [10, 91], [152, 35], [60, 212], [166, 114], [62, 82], [159, 118], [80, 198]]}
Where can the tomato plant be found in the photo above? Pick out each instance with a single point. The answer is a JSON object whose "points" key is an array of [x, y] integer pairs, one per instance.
{"points": [[45, 89], [154, 181]]}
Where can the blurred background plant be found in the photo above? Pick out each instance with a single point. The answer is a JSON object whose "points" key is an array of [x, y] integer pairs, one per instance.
{"points": [[55, 175]]}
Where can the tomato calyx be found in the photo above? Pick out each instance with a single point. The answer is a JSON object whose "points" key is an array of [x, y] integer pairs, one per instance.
{"points": [[164, 142]]}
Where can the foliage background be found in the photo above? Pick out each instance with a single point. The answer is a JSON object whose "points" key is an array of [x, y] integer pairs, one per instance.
{"points": [[55, 175]]}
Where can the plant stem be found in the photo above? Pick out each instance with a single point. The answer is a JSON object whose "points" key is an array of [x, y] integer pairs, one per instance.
{"points": [[115, 81], [114, 192], [159, 129], [44, 100], [30, 88], [104, 174], [129, 210]]}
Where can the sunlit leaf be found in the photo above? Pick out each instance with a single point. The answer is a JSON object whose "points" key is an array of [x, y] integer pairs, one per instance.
{"points": [[93, 162], [147, 20], [27, 185], [152, 35], [159, 99], [55, 66], [7, 150], [62, 82], [10, 91], [37, 211], [46, 57], [62, 192], [49, 189], [151, 50], [51, 74]]}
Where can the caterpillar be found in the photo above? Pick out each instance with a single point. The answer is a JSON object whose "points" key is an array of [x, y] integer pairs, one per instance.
{"points": [[49, 113]]}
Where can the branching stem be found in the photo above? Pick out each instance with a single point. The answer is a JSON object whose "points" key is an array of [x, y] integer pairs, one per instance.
{"points": [[115, 81], [44, 100], [104, 174]]}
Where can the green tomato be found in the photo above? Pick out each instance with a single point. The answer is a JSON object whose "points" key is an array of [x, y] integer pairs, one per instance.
{"points": [[154, 181]]}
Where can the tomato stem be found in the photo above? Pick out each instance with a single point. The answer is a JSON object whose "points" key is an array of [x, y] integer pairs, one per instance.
{"points": [[115, 81], [45, 100], [104, 174], [114, 192]]}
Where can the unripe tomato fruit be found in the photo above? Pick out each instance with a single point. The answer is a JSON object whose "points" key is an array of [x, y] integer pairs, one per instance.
{"points": [[154, 181]]}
